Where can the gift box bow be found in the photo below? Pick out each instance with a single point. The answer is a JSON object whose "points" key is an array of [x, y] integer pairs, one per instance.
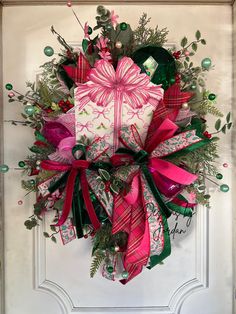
{"points": [[90, 157]]}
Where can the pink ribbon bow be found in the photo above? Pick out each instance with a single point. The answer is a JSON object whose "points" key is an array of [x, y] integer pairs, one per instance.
{"points": [[125, 84], [138, 213]]}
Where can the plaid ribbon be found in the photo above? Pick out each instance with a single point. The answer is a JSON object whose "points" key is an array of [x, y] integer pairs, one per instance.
{"points": [[79, 72], [174, 98]]}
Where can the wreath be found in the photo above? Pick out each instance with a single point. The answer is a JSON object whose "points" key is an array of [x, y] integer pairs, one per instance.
{"points": [[121, 141]]}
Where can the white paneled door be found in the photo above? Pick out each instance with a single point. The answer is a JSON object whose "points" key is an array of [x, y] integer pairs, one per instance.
{"points": [[41, 277]]}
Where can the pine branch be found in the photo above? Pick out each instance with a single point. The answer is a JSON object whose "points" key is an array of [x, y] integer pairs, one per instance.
{"points": [[96, 262]]}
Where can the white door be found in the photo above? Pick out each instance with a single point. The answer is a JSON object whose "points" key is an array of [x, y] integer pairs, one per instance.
{"points": [[41, 277]]}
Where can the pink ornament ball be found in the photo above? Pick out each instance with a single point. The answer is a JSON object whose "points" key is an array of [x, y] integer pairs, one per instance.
{"points": [[186, 53], [20, 202], [69, 4], [11, 94], [225, 165]]}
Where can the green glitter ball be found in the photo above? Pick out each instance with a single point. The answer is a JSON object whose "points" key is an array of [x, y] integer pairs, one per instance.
{"points": [[219, 176], [211, 96], [9, 86], [224, 188], [48, 51], [109, 27], [21, 164], [125, 274], [4, 168], [206, 63], [123, 26], [110, 269], [29, 110], [90, 30]]}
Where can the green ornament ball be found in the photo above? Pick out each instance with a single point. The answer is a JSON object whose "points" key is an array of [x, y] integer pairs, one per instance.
{"points": [[9, 86], [32, 182], [48, 51], [206, 63], [4, 168], [172, 80], [219, 176], [29, 110], [123, 26], [224, 188], [193, 86], [125, 274], [110, 269], [90, 30], [109, 27], [21, 164], [212, 96]]}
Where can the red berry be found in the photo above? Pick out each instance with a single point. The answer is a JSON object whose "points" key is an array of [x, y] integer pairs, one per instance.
{"points": [[207, 135]]}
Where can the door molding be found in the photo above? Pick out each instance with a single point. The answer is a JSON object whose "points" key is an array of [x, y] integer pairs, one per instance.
{"points": [[2, 284], [155, 2], [198, 282]]}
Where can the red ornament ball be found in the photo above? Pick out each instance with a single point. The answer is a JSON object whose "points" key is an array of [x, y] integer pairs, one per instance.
{"points": [[69, 4]]}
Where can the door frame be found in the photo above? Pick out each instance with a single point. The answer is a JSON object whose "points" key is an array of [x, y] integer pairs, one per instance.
{"points": [[231, 3]]}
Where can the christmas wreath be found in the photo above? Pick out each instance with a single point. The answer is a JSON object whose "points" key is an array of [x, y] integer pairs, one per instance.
{"points": [[121, 141]]}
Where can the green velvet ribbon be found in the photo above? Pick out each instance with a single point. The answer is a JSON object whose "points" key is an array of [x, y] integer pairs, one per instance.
{"points": [[166, 69]]}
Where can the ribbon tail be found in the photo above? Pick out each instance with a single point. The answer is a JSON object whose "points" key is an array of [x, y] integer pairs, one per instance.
{"points": [[164, 208], [138, 247], [68, 198], [87, 200], [77, 208], [160, 246]]}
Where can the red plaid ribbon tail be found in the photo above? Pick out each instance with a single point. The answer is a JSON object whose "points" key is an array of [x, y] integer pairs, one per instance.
{"points": [[131, 219]]}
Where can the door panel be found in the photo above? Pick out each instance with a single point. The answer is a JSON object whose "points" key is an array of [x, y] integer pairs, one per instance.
{"points": [[197, 277]]}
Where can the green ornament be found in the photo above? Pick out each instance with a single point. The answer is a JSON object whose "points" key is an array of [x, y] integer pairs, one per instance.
{"points": [[219, 176], [4, 168], [110, 269], [193, 86], [172, 80], [148, 73], [109, 27], [48, 51], [9, 86], [21, 164], [211, 96], [90, 30], [32, 182], [224, 188], [29, 110], [123, 26], [207, 196], [125, 274], [206, 63]]}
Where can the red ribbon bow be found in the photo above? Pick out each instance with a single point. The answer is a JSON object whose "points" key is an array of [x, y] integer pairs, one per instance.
{"points": [[78, 167]]}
